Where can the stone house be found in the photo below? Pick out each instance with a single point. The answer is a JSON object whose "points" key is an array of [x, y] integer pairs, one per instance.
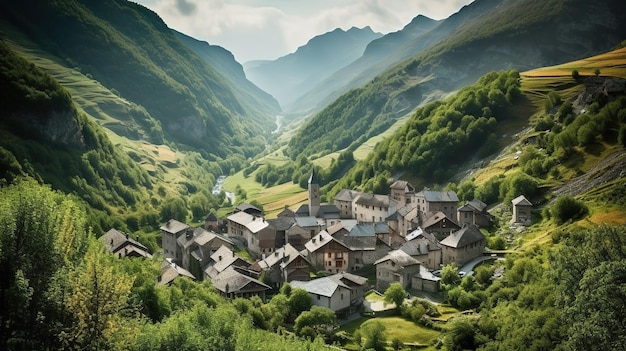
{"points": [[337, 292], [170, 232], [440, 225], [236, 282], [522, 210], [171, 271], [373, 208], [327, 253], [249, 209], [403, 220], [122, 245], [343, 201], [303, 230], [221, 259], [284, 265], [260, 237], [425, 280], [197, 246], [430, 202], [425, 248], [403, 192], [474, 212], [365, 243], [211, 222], [396, 266], [463, 245]]}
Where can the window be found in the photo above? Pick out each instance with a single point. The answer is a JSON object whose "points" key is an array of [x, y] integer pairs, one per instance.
{"points": [[319, 297], [339, 264], [330, 255], [342, 296], [339, 255]]}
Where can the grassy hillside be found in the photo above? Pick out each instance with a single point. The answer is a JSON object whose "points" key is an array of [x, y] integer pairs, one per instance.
{"points": [[503, 37], [128, 48]]}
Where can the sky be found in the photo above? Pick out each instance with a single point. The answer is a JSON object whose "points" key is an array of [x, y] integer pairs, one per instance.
{"points": [[269, 29]]}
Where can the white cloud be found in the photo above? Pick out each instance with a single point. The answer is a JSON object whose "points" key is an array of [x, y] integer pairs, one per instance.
{"points": [[267, 29]]}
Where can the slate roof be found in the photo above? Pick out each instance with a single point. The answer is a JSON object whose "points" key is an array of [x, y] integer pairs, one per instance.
{"points": [[232, 281], [521, 201], [440, 196], [116, 240], [437, 217], [224, 258], [173, 226], [281, 223], [303, 210], [426, 274], [419, 232], [286, 213], [325, 286], [253, 223], [347, 195], [328, 211], [400, 257], [402, 185], [282, 256], [171, 271], [211, 217], [347, 278], [373, 200], [465, 236], [320, 240], [308, 221]]}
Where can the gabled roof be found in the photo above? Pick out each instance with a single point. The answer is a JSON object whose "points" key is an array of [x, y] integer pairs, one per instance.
{"points": [[400, 258], [325, 286], [346, 195], [419, 233], [478, 205], [465, 236], [426, 274], [281, 223], [402, 185], [303, 210], [211, 217], [232, 281], [417, 247], [521, 201], [373, 200], [252, 223], [282, 256], [328, 211], [349, 279], [171, 271], [286, 213], [116, 240], [224, 258], [436, 218], [439, 196], [173, 226], [305, 222], [320, 240]]}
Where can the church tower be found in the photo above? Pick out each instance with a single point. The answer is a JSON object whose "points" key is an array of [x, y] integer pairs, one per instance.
{"points": [[314, 195]]}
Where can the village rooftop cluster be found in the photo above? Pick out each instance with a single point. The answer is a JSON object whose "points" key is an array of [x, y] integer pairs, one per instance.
{"points": [[407, 236]]}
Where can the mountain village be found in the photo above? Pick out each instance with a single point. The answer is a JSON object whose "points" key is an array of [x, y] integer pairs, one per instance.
{"points": [[407, 236]]}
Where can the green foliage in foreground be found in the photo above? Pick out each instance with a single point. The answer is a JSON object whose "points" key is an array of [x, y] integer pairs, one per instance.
{"points": [[61, 290], [569, 297]]}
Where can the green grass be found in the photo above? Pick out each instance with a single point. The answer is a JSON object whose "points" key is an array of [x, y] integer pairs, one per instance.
{"points": [[396, 328]]}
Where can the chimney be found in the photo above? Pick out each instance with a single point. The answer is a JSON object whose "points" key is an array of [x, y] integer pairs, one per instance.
{"points": [[313, 240], [126, 236], [321, 239], [276, 253], [233, 253], [219, 258]]}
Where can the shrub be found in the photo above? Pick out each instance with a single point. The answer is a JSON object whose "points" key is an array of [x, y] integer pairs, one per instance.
{"points": [[567, 208]]}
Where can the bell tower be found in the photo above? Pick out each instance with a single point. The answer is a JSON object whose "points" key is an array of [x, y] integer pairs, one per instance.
{"points": [[314, 195]]}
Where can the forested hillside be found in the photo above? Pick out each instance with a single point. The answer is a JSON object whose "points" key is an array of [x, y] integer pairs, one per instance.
{"points": [[503, 37], [129, 49]]}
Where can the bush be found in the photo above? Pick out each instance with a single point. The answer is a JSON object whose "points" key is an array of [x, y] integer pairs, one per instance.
{"points": [[567, 208]]}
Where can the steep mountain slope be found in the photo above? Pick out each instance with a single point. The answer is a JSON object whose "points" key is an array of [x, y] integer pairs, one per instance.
{"points": [[392, 48], [224, 62], [130, 49], [517, 34], [291, 76]]}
